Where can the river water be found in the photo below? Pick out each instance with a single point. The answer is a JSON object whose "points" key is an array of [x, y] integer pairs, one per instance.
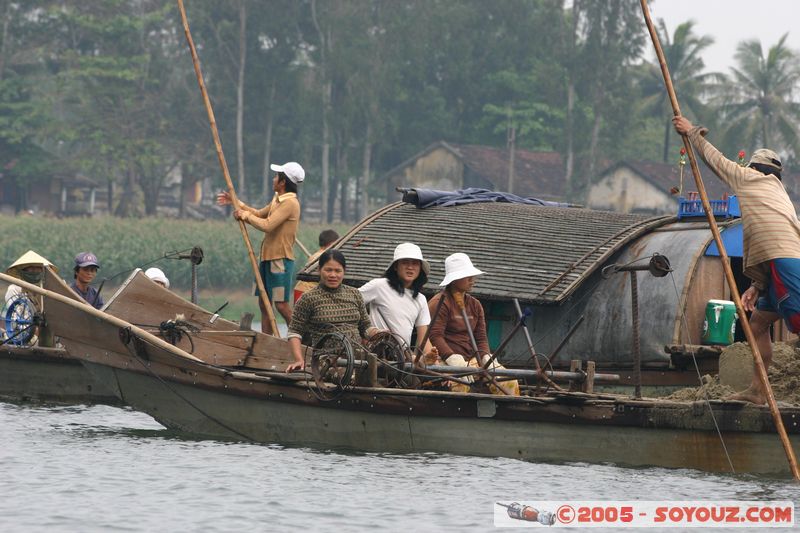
{"points": [[99, 468]]}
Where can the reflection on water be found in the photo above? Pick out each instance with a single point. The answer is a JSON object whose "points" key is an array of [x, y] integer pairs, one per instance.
{"points": [[95, 468]]}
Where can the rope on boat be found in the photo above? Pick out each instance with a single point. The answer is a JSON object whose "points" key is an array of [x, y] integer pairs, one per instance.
{"points": [[134, 352], [700, 378]]}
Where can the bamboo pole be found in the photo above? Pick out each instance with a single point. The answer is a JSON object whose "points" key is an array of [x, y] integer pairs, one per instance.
{"points": [[305, 250], [723, 254], [221, 157]]}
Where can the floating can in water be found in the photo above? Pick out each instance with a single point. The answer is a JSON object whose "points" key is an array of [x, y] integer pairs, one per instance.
{"points": [[719, 326]]}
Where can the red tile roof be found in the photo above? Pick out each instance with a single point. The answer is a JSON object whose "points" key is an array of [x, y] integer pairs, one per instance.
{"points": [[538, 174]]}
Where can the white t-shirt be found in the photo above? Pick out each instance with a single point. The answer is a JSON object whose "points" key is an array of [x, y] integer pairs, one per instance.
{"points": [[389, 310]]}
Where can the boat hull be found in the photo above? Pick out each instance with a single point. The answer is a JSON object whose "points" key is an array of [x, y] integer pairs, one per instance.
{"points": [[473, 429], [49, 375]]}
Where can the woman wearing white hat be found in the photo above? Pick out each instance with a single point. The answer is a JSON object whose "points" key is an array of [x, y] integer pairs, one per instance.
{"points": [[278, 220], [450, 333], [395, 301]]}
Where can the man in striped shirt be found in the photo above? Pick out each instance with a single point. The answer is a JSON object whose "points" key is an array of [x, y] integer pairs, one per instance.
{"points": [[771, 242]]}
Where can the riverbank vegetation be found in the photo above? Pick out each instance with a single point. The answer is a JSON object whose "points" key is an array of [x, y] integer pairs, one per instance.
{"points": [[352, 88], [124, 244]]}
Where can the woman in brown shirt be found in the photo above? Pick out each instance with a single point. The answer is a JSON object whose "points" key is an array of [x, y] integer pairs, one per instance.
{"points": [[450, 332]]}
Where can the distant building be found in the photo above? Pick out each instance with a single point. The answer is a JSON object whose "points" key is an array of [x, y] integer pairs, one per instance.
{"points": [[644, 187], [66, 195], [449, 166]]}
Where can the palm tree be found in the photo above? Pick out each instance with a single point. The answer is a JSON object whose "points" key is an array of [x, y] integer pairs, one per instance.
{"points": [[683, 54], [760, 108]]}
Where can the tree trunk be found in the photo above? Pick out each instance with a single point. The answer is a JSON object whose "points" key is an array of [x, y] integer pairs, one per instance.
{"points": [[151, 199], [266, 176], [4, 39], [569, 168], [240, 99], [125, 207], [593, 152], [326, 104], [363, 204], [185, 184], [512, 138], [110, 196], [344, 182], [326, 153], [597, 106]]}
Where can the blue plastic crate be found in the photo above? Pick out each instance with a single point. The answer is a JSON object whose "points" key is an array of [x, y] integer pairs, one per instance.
{"points": [[721, 208]]}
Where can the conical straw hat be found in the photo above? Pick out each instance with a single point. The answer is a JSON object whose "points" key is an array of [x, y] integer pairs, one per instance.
{"points": [[28, 258]]}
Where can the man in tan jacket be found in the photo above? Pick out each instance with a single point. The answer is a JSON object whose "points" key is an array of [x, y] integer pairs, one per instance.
{"points": [[279, 221], [771, 242]]}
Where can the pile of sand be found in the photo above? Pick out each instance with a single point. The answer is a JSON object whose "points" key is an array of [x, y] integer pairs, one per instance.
{"points": [[711, 389], [736, 371]]}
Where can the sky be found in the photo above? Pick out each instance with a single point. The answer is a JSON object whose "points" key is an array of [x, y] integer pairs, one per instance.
{"points": [[730, 22]]}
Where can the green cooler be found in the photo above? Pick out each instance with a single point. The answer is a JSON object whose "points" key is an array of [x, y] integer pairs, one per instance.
{"points": [[719, 326]]}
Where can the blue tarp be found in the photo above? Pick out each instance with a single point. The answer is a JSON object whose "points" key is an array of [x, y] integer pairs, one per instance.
{"points": [[423, 198], [732, 240]]}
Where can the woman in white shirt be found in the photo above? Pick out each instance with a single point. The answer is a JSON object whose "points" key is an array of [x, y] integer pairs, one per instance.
{"points": [[395, 301]]}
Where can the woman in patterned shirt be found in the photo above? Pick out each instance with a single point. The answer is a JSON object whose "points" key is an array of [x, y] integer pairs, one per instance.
{"points": [[329, 307]]}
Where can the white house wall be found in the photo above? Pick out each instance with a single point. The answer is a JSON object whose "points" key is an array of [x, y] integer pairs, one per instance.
{"points": [[625, 191]]}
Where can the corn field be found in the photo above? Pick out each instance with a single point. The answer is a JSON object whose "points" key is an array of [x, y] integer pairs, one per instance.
{"points": [[124, 244]]}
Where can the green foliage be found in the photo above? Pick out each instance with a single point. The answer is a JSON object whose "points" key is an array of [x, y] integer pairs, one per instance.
{"points": [[123, 244], [759, 106], [106, 88]]}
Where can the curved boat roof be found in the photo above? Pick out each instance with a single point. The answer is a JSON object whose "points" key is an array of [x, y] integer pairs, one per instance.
{"points": [[534, 253]]}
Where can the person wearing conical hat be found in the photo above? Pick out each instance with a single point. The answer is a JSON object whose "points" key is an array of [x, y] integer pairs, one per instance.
{"points": [[29, 268], [451, 334], [771, 235]]}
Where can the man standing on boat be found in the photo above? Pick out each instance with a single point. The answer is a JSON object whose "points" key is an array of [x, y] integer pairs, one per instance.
{"points": [[86, 266], [278, 220], [771, 242]]}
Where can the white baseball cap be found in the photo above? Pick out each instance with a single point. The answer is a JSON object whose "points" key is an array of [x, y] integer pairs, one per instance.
{"points": [[409, 250], [156, 274], [458, 266], [292, 170]]}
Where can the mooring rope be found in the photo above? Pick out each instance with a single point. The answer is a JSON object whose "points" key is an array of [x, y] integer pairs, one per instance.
{"points": [[184, 398], [700, 378]]}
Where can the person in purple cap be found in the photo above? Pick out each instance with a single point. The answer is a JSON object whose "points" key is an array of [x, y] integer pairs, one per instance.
{"points": [[85, 271]]}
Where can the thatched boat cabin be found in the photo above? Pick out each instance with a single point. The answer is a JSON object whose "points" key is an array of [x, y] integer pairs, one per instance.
{"points": [[552, 260]]}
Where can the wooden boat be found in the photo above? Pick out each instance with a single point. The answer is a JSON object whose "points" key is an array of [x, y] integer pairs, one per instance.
{"points": [[35, 373], [30, 371], [227, 384]]}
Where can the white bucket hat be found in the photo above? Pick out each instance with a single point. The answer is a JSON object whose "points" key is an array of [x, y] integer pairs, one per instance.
{"points": [[292, 170], [409, 250], [458, 266], [156, 274]]}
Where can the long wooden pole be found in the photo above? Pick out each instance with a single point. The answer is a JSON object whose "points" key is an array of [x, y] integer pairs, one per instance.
{"points": [[221, 157], [723, 254]]}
